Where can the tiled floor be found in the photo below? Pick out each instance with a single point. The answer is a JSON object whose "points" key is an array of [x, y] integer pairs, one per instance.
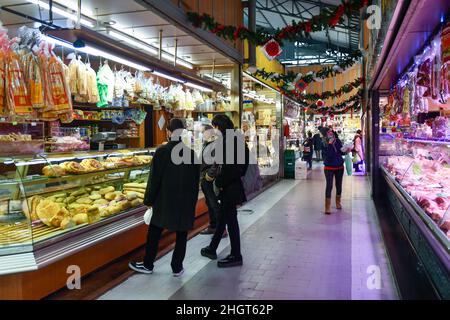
{"points": [[291, 250]]}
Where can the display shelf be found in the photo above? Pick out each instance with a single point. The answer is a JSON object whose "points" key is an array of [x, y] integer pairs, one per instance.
{"points": [[101, 121], [429, 141], [215, 112], [434, 228]]}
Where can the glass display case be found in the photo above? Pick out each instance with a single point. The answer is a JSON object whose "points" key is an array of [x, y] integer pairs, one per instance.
{"points": [[46, 197], [420, 170]]}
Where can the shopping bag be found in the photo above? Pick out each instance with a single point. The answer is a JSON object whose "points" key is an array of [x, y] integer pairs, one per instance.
{"points": [[348, 164], [148, 216]]}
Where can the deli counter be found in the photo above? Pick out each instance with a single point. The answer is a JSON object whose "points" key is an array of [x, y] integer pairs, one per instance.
{"points": [[417, 173], [81, 209]]}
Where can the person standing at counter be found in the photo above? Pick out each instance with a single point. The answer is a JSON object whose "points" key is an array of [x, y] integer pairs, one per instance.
{"points": [[172, 192], [231, 192], [334, 168], [207, 176]]}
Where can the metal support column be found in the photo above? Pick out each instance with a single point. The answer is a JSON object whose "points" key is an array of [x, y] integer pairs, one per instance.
{"points": [[252, 27]]}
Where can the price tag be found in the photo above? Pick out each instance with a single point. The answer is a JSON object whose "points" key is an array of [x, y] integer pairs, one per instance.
{"points": [[33, 124]]}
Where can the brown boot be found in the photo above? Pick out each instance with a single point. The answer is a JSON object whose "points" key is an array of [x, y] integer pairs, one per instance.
{"points": [[338, 203], [328, 206]]}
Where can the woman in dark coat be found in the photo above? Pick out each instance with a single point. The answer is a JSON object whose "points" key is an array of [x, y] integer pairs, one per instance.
{"points": [[172, 192], [308, 150], [318, 146], [231, 192], [334, 168]]}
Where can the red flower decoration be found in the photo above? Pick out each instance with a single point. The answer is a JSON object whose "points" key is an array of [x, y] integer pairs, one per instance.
{"points": [[237, 32], [301, 85], [308, 27], [272, 49], [320, 103], [218, 28], [337, 15]]}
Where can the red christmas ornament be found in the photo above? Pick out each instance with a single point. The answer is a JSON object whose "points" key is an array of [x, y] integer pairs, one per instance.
{"points": [[300, 85], [308, 27], [320, 103], [337, 16], [238, 32], [272, 49]]}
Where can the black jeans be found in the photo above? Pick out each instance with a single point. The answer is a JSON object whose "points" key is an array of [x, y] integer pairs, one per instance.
{"points": [[151, 249], [228, 217], [329, 176], [211, 201]]}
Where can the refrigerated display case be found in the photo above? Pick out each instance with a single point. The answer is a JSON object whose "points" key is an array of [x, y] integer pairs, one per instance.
{"points": [[47, 197], [417, 177]]}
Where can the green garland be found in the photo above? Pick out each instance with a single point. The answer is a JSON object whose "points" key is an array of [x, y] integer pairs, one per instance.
{"points": [[284, 80], [326, 19], [346, 88]]}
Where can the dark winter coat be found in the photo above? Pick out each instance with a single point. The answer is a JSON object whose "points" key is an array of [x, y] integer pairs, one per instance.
{"points": [[173, 189], [211, 169], [332, 154], [229, 179], [318, 142]]}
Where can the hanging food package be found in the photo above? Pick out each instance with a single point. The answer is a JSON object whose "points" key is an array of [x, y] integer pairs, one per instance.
{"points": [[57, 91], [445, 55], [33, 79], [92, 90], [105, 85], [82, 78], [3, 45], [17, 97], [73, 75]]}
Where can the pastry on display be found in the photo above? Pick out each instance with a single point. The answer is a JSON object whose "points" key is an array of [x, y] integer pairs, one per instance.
{"points": [[92, 165], [53, 171], [15, 137], [50, 213], [73, 167]]}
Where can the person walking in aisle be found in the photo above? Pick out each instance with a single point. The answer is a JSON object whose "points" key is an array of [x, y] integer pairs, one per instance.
{"points": [[318, 145], [358, 149], [172, 192], [208, 173], [334, 168], [308, 146], [231, 191]]}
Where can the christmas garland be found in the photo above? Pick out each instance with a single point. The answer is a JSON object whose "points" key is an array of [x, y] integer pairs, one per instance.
{"points": [[290, 78], [346, 88], [326, 19]]}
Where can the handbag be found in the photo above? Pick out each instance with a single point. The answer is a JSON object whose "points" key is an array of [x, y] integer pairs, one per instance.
{"points": [[348, 164], [148, 216]]}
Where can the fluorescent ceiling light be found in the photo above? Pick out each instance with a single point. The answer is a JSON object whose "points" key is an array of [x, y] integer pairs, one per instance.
{"points": [[137, 44], [99, 53], [195, 86], [180, 62], [163, 75], [63, 13]]}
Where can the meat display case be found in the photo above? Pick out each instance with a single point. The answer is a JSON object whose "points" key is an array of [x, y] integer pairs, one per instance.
{"points": [[417, 173]]}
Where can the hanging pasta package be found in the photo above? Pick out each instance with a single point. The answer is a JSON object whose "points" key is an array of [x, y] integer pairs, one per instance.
{"points": [[17, 95], [3, 43], [57, 92], [33, 79]]}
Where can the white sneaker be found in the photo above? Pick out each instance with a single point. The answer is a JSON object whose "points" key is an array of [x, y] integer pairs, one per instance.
{"points": [[139, 267], [178, 274]]}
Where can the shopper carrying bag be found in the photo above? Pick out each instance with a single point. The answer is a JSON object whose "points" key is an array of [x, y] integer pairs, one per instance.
{"points": [[172, 194]]}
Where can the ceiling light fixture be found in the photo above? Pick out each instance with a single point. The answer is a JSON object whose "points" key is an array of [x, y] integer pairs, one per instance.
{"points": [[168, 77], [96, 52], [63, 13], [180, 62], [134, 43], [195, 86]]}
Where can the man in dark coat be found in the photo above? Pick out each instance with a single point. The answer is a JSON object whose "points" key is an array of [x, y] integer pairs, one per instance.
{"points": [[172, 192]]}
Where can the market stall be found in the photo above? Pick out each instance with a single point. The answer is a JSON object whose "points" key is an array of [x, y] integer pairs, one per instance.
{"points": [[81, 111], [262, 125], [411, 142]]}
